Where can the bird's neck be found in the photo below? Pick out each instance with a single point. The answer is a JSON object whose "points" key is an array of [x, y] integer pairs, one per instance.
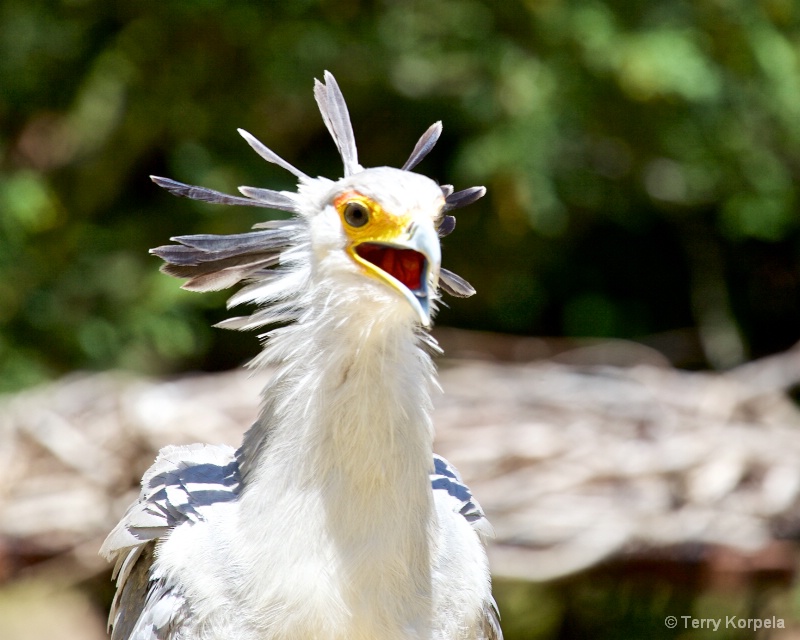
{"points": [[351, 400], [335, 471]]}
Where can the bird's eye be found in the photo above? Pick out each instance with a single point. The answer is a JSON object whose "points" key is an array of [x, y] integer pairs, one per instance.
{"points": [[356, 214]]}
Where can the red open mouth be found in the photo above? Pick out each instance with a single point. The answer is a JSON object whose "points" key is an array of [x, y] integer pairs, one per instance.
{"points": [[406, 265]]}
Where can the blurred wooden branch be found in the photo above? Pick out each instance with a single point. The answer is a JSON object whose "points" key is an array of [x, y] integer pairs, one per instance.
{"points": [[575, 464]]}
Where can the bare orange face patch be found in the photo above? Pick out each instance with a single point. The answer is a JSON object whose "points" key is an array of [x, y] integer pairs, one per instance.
{"points": [[381, 226], [377, 238]]}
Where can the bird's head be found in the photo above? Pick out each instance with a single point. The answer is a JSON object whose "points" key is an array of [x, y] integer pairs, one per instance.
{"points": [[375, 233]]}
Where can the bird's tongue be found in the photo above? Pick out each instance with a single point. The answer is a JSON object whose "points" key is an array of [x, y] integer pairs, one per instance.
{"points": [[406, 265]]}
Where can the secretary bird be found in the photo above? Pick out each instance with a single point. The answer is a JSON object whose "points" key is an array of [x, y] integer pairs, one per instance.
{"points": [[334, 519]]}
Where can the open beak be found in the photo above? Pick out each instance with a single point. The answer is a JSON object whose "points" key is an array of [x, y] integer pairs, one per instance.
{"points": [[408, 263]]}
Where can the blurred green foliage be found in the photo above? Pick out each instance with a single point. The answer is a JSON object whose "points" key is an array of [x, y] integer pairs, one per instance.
{"points": [[641, 158], [604, 604]]}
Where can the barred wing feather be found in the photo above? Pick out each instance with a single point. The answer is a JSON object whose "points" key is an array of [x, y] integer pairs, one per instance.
{"points": [[179, 487], [447, 483]]}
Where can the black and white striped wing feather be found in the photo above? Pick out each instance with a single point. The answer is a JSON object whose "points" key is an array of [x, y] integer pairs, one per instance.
{"points": [[445, 477], [178, 488], [447, 484]]}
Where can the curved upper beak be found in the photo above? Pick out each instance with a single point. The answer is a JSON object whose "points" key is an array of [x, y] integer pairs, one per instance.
{"points": [[408, 262]]}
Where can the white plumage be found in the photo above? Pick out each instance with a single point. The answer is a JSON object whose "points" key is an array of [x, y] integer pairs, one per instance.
{"points": [[333, 519]]}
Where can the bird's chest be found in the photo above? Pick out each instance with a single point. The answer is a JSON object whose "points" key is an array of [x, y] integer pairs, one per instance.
{"points": [[323, 575], [337, 601]]}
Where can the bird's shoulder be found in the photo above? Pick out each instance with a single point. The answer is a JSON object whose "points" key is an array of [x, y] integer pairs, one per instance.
{"points": [[178, 488], [180, 484], [447, 485], [455, 498]]}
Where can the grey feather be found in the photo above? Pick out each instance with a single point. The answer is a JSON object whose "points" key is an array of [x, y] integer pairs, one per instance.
{"points": [[132, 588], [337, 119], [269, 155], [271, 199], [463, 198], [145, 608], [491, 621], [219, 246], [225, 278], [268, 196], [239, 242], [454, 284], [215, 262], [278, 199], [423, 146], [179, 254], [447, 189], [446, 226], [250, 262], [291, 223], [167, 613]]}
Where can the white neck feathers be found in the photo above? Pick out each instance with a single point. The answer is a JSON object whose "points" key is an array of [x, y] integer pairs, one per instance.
{"points": [[335, 472]]}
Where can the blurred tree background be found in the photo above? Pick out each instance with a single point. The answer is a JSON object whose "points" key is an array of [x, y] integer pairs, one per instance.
{"points": [[641, 159]]}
